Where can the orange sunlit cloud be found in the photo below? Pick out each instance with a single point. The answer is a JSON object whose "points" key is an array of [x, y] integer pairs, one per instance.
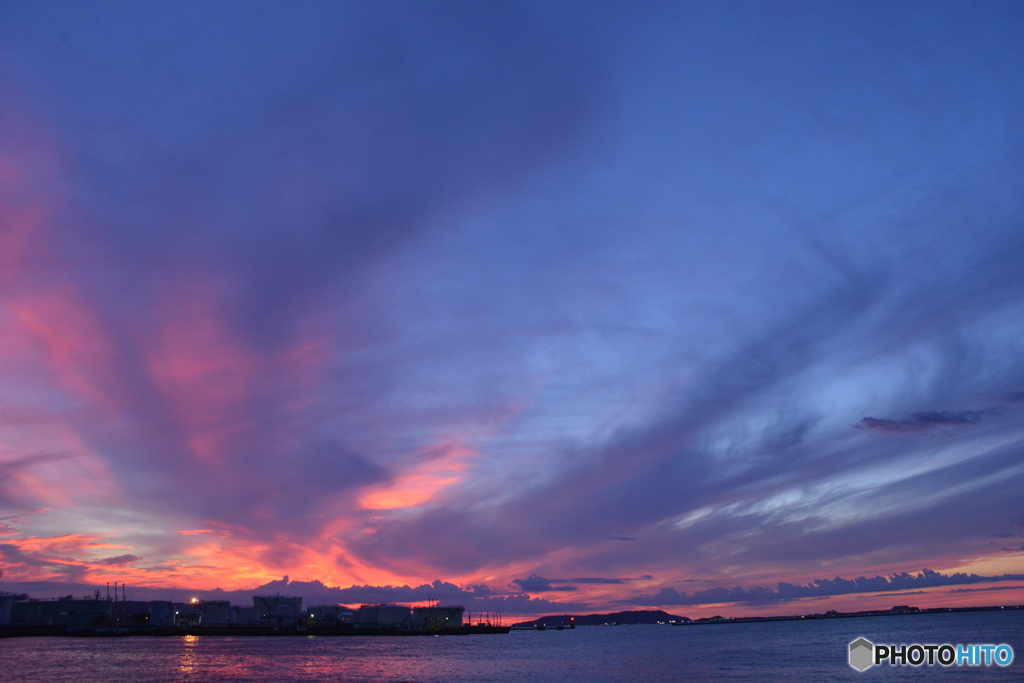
{"points": [[423, 483], [238, 564]]}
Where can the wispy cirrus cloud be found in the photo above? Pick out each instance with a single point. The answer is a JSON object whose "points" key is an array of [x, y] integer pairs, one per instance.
{"points": [[819, 588], [376, 294]]}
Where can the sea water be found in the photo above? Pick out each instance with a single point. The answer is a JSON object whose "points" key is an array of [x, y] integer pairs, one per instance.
{"points": [[792, 651]]}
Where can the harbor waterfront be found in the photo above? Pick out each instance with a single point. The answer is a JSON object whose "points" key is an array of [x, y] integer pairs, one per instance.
{"points": [[270, 615], [799, 651]]}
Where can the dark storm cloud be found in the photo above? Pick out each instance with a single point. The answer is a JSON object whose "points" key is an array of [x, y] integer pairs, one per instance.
{"points": [[929, 419], [817, 588]]}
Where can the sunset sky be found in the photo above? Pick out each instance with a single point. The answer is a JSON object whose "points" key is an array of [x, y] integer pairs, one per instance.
{"points": [[563, 306]]}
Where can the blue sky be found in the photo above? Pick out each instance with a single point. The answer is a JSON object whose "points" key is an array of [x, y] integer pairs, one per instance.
{"points": [[689, 294]]}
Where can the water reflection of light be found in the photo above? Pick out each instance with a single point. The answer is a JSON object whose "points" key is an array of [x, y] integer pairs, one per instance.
{"points": [[189, 662]]}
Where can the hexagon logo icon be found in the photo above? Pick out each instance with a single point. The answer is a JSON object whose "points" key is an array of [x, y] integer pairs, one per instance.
{"points": [[862, 654]]}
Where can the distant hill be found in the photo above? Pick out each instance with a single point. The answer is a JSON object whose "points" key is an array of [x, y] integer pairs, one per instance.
{"points": [[634, 617]]}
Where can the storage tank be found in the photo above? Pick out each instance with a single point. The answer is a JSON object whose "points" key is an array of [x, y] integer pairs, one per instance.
{"points": [[283, 611], [7, 601], [383, 615], [84, 613], [161, 614], [266, 604], [247, 616], [219, 615], [337, 614], [437, 616]]}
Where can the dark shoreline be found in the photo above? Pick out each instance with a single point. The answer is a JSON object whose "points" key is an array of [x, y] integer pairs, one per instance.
{"points": [[641, 617], [850, 615]]}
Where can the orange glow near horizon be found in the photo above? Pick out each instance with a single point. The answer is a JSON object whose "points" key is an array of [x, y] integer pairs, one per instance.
{"points": [[218, 560]]}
